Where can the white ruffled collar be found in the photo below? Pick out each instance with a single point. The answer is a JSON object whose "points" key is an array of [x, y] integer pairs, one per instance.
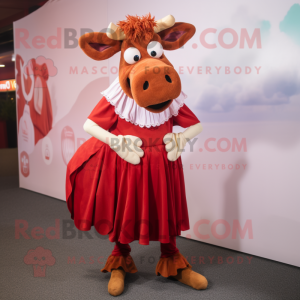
{"points": [[127, 108]]}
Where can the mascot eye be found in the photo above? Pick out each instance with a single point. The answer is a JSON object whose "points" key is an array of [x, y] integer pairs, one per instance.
{"points": [[155, 49], [132, 55]]}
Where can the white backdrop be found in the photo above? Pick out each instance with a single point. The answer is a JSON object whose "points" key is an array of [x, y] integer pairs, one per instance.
{"points": [[242, 175]]}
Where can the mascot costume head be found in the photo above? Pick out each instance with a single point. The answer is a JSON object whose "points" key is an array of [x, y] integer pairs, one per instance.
{"points": [[144, 69]]}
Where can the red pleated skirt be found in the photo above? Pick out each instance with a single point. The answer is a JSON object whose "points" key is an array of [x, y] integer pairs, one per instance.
{"points": [[144, 202]]}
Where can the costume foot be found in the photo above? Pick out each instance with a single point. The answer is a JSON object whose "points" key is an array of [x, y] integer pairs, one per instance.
{"points": [[116, 282], [191, 278]]}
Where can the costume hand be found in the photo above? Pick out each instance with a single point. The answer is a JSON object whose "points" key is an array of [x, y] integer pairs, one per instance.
{"points": [[175, 143], [128, 148]]}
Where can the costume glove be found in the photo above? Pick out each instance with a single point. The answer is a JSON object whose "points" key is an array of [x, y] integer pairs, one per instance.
{"points": [[175, 142], [127, 147]]}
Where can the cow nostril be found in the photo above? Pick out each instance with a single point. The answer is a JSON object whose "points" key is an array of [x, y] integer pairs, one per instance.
{"points": [[128, 81], [146, 85], [168, 78]]}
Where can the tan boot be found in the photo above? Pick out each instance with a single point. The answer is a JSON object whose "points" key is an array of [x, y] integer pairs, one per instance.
{"points": [[191, 278], [116, 282]]}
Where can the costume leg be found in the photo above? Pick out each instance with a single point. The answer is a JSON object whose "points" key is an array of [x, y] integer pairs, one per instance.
{"points": [[169, 249], [171, 259], [119, 263], [173, 263], [120, 258]]}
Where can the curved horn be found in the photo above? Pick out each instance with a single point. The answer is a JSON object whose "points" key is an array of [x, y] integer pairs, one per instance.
{"points": [[164, 23], [114, 32]]}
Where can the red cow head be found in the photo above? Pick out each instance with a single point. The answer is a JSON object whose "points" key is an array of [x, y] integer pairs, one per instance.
{"points": [[145, 74]]}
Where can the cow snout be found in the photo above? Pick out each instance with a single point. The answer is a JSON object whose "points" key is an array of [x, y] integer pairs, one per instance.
{"points": [[154, 84]]}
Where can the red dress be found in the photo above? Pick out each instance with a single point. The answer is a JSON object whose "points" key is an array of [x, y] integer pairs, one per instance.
{"points": [[144, 202]]}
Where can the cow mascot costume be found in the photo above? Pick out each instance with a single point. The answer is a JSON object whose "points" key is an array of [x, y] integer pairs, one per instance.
{"points": [[127, 180]]}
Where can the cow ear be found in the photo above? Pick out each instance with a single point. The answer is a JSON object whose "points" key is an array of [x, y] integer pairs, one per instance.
{"points": [[177, 35], [98, 45]]}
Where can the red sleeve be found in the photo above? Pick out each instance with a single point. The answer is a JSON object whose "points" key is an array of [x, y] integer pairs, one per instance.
{"points": [[185, 118], [104, 114]]}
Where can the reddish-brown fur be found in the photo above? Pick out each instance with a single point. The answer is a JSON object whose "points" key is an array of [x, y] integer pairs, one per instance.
{"points": [[136, 27]]}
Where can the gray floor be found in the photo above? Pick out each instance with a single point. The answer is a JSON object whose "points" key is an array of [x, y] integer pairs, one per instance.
{"points": [[82, 279]]}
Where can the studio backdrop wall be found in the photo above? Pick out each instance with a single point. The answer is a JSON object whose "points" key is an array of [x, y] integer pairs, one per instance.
{"points": [[240, 72]]}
